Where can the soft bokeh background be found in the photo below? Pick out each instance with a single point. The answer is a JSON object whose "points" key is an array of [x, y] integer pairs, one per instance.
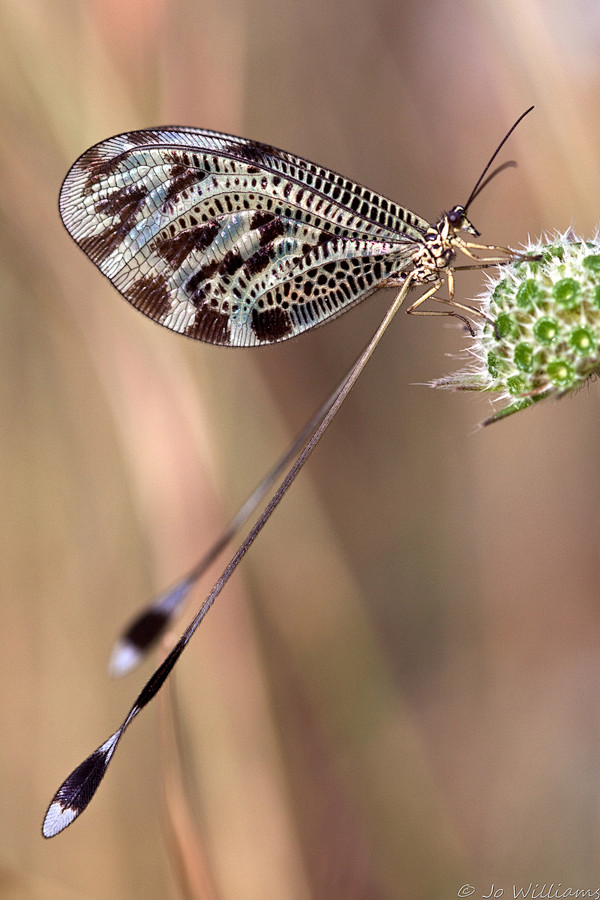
{"points": [[399, 692]]}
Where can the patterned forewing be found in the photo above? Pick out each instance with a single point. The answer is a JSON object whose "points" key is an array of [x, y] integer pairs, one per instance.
{"points": [[230, 241]]}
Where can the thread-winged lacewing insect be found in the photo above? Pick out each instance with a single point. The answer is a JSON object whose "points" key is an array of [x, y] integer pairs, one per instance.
{"points": [[236, 243]]}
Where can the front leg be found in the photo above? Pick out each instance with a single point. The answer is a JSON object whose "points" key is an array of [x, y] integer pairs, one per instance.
{"points": [[467, 247], [414, 310]]}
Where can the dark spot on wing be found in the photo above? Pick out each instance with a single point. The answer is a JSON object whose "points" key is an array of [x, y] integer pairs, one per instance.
{"points": [[145, 136], [209, 325], [181, 179], [123, 205], [325, 236], [150, 295], [198, 278], [259, 260], [250, 152], [100, 246], [124, 202], [175, 248], [78, 789], [271, 324], [261, 217], [91, 158], [231, 262], [146, 628], [270, 230]]}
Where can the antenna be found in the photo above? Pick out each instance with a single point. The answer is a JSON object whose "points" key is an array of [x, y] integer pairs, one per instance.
{"points": [[480, 181]]}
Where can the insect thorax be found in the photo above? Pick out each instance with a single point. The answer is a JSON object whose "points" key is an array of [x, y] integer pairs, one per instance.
{"points": [[438, 250]]}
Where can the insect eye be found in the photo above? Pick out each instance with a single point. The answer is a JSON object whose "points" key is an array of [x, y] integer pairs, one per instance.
{"points": [[456, 215]]}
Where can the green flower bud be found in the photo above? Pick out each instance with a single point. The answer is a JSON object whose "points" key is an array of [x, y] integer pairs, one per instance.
{"points": [[540, 331]]}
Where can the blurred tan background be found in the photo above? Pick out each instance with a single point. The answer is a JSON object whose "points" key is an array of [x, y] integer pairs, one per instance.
{"points": [[398, 694]]}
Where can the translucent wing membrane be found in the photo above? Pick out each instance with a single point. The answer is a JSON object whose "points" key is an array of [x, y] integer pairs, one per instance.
{"points": [[231, 241]]}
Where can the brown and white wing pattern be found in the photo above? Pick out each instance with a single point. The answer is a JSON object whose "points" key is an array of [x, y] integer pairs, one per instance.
{"points": [[230, 241]]}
